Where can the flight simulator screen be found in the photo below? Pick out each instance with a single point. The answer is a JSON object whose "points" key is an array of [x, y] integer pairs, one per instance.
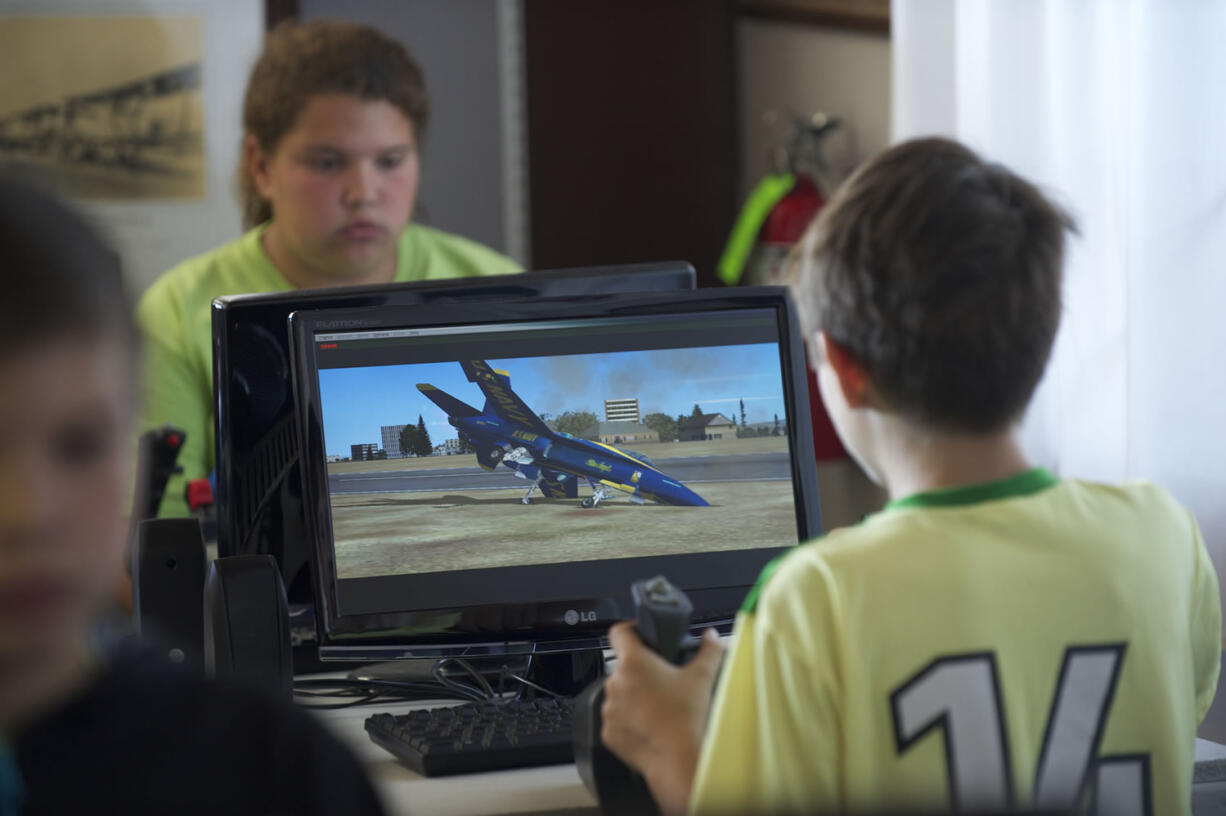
{"points": [[478, 447]]}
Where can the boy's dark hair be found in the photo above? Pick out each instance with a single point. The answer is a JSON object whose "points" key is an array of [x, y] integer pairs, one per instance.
{"points": [[58, 278], [940, 273], [304, 60]]}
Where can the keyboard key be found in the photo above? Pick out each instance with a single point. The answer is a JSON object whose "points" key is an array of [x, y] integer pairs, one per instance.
{"points": [[476, 737]]}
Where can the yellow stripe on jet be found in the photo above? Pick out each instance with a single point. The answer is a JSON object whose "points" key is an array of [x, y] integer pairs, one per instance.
{"points": [[617, 485], [625, 455]]}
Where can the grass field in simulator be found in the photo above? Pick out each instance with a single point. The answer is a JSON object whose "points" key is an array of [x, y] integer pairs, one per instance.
{"points": [[490, 463]]}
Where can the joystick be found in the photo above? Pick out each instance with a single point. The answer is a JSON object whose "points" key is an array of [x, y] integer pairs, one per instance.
{"points": [[661, 617]]}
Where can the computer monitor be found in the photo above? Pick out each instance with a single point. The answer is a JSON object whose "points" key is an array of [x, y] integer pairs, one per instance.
{"points": [[534, 511], [258, 494]]}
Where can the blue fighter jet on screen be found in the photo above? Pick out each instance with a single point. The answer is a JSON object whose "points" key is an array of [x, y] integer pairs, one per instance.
{"points": [[507, 431]]}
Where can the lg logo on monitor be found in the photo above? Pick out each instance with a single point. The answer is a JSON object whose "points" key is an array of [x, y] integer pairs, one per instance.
{"points": [[573, 617]]}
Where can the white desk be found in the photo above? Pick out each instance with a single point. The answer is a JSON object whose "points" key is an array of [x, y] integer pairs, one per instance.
{"points": [[1209, 779], [557, 789], [554, 789]]}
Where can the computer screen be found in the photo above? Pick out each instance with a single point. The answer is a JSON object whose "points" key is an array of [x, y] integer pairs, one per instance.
{"points": [[548, 454], [259, 500]]}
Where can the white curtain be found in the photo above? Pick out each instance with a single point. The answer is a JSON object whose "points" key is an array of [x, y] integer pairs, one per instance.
{"points": [[1118, 109]]}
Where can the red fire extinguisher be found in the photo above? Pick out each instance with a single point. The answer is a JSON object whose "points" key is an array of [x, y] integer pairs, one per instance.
{"points": [[774, 218]]}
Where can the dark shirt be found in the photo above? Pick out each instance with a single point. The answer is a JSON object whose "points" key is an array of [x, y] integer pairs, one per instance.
{"points": [[145, 738]]}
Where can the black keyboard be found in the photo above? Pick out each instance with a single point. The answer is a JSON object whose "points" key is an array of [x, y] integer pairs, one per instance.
{"points": [[476, 737]]}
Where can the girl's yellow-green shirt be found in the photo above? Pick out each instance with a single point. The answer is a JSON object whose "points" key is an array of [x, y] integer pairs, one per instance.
{"points": [[175, 319]]}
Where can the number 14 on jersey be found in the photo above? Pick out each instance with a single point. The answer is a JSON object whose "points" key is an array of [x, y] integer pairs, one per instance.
{"points": [[960, 696]]}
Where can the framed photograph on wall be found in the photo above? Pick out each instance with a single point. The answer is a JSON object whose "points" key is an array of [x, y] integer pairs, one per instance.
{"points": [[109, 107], [132, 109]]}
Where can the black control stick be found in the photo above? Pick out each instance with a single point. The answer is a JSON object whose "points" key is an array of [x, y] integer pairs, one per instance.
{"points": [[157, 455], [661, 617]]}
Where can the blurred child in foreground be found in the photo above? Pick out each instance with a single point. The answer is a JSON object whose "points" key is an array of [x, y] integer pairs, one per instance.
{"points": [[85, 726]]}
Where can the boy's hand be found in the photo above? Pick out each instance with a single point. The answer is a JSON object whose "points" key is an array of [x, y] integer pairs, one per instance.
{"points": [[654, 713]]}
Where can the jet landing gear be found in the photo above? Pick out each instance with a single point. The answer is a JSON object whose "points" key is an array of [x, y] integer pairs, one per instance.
{"points": [[599, 494], [519, 456], [527, 499]]}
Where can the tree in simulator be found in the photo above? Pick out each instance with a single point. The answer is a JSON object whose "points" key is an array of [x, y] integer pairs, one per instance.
{"points": [[579, 424], [408, 440], [423, 445], [662, 424], [415, 439]]}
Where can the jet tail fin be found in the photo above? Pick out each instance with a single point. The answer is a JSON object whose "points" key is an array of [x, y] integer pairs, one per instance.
{"points": [[500, 399], [455, 408]]}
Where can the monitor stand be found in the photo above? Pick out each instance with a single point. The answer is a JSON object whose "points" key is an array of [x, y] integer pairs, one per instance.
{"points": [[567, 673]]}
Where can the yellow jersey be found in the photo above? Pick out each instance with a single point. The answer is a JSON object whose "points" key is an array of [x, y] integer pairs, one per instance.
{"points": [[1025, 643]]}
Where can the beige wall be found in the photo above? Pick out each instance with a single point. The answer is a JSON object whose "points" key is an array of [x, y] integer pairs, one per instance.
{"points": [[806, 68], [803, 69]]}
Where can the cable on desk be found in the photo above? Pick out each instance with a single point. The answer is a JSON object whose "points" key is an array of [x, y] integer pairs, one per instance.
{"points": [[370, 691], [443, 687], [507, 673], [484, 690]]}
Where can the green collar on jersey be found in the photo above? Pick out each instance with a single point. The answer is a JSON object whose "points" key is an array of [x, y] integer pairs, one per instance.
{"points": [[1022, 484], [751, 600]]}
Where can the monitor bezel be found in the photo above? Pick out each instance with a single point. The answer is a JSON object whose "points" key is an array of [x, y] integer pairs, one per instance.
{"points": [[230, 312], [543, 624]]}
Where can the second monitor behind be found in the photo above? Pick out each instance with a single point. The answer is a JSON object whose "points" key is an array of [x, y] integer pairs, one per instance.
{"points": [[259, 497]]}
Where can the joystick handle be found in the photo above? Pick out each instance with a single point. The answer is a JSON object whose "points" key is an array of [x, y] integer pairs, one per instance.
{"points": [[661, 616]]}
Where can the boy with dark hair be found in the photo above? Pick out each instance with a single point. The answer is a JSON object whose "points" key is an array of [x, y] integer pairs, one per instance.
{"points": [[995, 637], [90, 727]]}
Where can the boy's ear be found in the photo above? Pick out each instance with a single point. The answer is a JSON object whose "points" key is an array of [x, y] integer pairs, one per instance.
{"points": [[853, 381], [257, 163]]}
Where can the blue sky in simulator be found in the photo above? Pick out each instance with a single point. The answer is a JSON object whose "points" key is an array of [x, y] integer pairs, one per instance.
{"points": [[356, 402]]}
